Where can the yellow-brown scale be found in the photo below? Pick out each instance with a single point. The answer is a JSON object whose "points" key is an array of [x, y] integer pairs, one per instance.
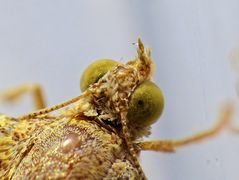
{"points": [[14, 136], [91, 139], [71, 148], [11, 133]]}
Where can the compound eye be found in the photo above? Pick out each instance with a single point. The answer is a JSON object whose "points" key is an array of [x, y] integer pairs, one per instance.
{"points": [[146, 104], [95, 71]]}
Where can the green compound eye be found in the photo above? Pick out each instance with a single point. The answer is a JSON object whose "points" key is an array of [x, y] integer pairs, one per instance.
{"points": [[95, 71], [146, 104]]}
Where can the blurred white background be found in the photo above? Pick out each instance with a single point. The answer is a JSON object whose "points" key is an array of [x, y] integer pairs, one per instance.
{"points": [[51, 43]]}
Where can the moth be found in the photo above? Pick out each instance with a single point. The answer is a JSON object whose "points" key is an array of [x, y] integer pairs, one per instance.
{"points": [[97, 135]]}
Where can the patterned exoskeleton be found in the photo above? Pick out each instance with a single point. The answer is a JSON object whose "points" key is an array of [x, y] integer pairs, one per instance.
{"points": [[94, 138]]}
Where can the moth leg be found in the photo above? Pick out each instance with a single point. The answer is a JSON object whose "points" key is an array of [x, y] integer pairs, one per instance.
{"points": [[172, 145], [15, 93]]}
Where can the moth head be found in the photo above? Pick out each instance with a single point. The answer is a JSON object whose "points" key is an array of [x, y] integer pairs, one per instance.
{"points": [[145, 103]]}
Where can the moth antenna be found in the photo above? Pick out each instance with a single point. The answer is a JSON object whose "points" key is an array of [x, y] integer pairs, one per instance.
{"points": [[50, 109]]}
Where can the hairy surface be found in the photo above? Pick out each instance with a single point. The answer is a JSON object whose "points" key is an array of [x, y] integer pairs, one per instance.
{"points": [[89, 140], [63, 148]]}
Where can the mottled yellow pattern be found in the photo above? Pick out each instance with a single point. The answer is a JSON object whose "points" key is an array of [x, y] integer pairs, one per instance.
{"points": [[85, 140], [94, 138], [50, 153]]}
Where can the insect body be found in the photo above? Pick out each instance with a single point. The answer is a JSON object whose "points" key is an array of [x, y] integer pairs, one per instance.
{"points": [[68, 148], [97, 137]]}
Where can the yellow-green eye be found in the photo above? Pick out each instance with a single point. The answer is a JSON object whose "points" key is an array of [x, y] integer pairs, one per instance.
{"points": [[95, 71], [146, 104]]}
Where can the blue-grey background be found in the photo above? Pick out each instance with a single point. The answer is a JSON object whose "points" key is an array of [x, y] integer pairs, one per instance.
{"points": [[51, 43]]}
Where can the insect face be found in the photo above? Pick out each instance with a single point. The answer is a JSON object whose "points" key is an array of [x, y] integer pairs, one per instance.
{"points": [[117, 88]]}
